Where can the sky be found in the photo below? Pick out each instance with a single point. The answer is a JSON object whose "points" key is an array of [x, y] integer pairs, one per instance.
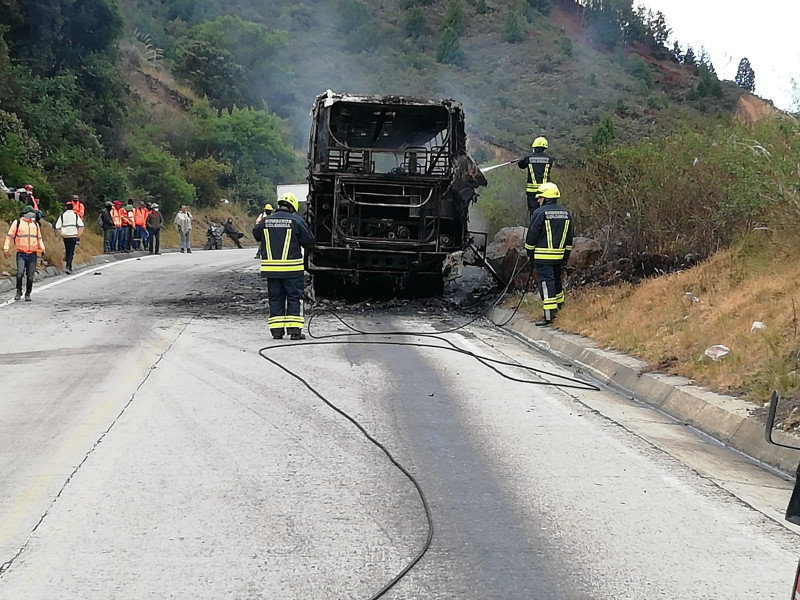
{"points": [[765, 31]]}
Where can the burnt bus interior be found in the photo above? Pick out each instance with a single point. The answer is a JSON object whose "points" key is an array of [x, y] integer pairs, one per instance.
{"points": [[380, 185]]}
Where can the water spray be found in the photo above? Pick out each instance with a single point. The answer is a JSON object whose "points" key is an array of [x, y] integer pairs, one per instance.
{"points": [[493, 167]]}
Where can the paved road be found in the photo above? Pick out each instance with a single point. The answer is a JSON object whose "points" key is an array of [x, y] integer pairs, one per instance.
{"points": [[147, 451]]}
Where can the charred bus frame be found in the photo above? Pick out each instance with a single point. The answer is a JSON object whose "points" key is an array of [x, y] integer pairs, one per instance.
{"points": [[384, 197]]}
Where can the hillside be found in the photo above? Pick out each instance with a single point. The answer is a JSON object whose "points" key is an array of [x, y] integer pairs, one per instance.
{"points": [[553, 80]]}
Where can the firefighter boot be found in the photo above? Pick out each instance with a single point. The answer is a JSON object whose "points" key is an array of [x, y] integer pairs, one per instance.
{"points": [[547, 319], [277, 334], [296, 334]]}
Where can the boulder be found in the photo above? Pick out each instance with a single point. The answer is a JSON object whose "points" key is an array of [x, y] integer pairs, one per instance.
{"points": [[504, 240], [585, 253]]}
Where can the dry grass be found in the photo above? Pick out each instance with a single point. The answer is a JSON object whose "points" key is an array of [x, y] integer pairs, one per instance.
{"points": [[756, 280], [92, 241]]}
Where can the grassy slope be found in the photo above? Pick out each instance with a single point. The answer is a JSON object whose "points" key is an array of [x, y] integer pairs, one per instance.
{"points": [[755, 280]]}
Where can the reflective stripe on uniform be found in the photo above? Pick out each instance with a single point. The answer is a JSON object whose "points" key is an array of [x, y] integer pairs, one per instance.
{"points": [[281, 266], [564, 237], [268, 246], [286, 243], [549, 231]]}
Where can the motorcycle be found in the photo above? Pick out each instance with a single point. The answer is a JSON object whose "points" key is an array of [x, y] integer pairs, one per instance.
{"points": [[214, 236]]}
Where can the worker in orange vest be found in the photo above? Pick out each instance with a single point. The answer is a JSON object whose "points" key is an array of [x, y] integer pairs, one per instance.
{"points": [[26, 235], [78, 207], [140, 223], [116, 214]]}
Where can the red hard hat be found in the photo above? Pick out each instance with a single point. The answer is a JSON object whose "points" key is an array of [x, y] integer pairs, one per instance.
{"points": [[29, 187]]}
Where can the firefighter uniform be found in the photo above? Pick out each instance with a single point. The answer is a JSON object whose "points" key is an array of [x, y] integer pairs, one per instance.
{"points": [[282, 236], [549, 243], [538, 166]]}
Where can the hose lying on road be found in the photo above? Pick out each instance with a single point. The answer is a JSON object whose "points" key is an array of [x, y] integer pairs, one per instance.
{"points": [[563, 381]]}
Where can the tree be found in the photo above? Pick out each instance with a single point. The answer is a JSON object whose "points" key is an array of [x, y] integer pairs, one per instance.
{"points": [[414, 22], [514, 28], [676, 53], [454, 17], [449, 50], [704, 62], [690, 59], [746, 76], [603, 135]]}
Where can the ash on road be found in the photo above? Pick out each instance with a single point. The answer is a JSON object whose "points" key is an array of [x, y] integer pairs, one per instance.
{"points": [[147, 451]]}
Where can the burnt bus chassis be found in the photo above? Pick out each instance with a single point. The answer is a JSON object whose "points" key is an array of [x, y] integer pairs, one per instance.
{"points": [[400, 224]]}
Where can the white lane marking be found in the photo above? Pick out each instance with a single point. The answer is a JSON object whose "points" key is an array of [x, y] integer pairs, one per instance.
{"points": [[83, 273]]}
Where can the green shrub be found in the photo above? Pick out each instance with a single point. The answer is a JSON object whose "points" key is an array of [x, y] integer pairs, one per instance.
{"points": [[449, 50], [565, 44], [514, 28], [454, 17], [481, 8], [603, 135], [414, 23]]}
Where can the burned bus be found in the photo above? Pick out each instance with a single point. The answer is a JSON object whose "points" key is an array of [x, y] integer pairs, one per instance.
{"points": [[390, 184]]}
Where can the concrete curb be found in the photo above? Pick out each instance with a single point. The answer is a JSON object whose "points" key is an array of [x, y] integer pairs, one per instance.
{"points": [[724, 418]]}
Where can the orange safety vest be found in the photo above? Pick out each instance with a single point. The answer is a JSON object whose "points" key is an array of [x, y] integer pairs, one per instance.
{"points": [[116, 214], [78, 208], [27, 237], [140, 216]]}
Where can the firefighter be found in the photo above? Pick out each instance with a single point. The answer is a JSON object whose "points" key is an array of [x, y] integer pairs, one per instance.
{"points": [[539, 165], [282, 235], [549, 244], [268, 210]]}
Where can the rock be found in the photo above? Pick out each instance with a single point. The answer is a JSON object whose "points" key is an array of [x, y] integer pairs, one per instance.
{"points": [[585, 253], [52, 271], [5, 274], [504, 240]]}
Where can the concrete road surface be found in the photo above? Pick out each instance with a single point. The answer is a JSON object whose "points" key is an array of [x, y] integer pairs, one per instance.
{"points": [[148, 452]]}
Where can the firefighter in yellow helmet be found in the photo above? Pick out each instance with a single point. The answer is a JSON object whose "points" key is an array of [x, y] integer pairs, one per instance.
{"points": [[282, 236], [549, 243], [538, 164], [268, 210]]}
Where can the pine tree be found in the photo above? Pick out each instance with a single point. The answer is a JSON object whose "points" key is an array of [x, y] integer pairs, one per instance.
{"points": [[676, 53], [690, 59], [449, 50], [604, 133], [746, 76], [514, 29], [705, 61]]}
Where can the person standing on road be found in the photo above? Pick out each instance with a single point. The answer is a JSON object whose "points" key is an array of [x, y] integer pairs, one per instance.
{"points": [[116, 214], [140, 224], [78, 206], [70, 226], [268, 210], [283, 235], [538, 166], [26, 235], [127, 228], [183, 223], [154, 224], [549, 243], [106, 222]]}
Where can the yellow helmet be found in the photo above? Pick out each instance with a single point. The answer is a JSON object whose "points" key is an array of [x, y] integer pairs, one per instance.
{"points": [[268, 206], [539, 142], [291, 200], [549, 191]]}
